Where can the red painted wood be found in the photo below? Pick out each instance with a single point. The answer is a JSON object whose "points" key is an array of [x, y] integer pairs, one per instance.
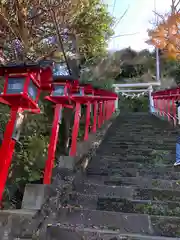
{"points": [[75, 129], [88, 117], [52, 146]]}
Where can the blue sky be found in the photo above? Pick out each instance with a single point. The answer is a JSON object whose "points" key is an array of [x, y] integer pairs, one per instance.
{"points": [[137, 20]]}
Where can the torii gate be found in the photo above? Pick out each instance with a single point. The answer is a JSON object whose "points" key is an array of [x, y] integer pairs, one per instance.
{"points": [[146, 87]]}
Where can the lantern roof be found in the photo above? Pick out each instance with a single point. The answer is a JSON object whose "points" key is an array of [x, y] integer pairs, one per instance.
{"points": [[87, 85], [19, 68], [105, 93], [65, 79], [29, 66], [88, 88], [4, 101], [46, 63]]}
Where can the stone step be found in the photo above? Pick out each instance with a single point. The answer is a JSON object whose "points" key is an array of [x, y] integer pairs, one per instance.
{"points": [[166, 158], [128, 140], [132, 143], [159, 208], [136, 165], [131, 172], [58, 231], [127, 192], [116, 150], [123, 222], [131, 131], [139, 148], [145, 124], [140, 182], [166, 226], [143, 142], [116, 166], [148, 120], [138, 157], [140, 126], [137, 137], [151, 207]]}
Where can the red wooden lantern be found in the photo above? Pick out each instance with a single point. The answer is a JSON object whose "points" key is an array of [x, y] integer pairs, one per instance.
{"points": [[80, 94], [88, 92], [60, 93], [46, 76], [77, 93], [60, 90], [89, 98], [106, 98], [60, 97], [21, 91], [77, 96], [22, 86]]}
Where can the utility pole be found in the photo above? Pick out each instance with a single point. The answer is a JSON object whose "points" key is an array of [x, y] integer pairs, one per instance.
{"points": [[157, 50], [157, 66]]}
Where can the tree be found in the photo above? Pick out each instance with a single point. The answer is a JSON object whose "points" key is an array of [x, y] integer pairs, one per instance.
{"points": [[93, 26], [29, 31], [165, 35]]}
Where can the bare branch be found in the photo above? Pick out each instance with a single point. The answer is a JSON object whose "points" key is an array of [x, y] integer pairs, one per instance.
{"points": [[124, 35], [123, 15]]}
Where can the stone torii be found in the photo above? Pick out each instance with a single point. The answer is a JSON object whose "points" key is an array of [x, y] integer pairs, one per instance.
{"points": [[142, 87]]}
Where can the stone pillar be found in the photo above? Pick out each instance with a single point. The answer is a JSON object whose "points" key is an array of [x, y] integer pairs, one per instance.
{"points": [[66, 162], [35, 196], [116, 104], [117, 100], [151, 102], [178, 113]]}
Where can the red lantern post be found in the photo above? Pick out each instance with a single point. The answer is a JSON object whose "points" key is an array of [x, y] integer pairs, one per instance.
{"points": [[169, 108], [100, 112], [104, 95], [21, 92], [95, 103], [89, 93], [82, 94], [60, 97]]}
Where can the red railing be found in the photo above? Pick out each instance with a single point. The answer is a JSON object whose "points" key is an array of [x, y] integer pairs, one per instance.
{"points": [[164, 104]]}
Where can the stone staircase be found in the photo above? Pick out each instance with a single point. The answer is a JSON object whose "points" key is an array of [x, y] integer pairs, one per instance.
{"points": [[130, 189]]}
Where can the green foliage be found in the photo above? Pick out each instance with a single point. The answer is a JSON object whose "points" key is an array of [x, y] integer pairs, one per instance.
{"points": [[134, 104], [173, 70], [105, 84], [28, 30], [94, 25]]}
